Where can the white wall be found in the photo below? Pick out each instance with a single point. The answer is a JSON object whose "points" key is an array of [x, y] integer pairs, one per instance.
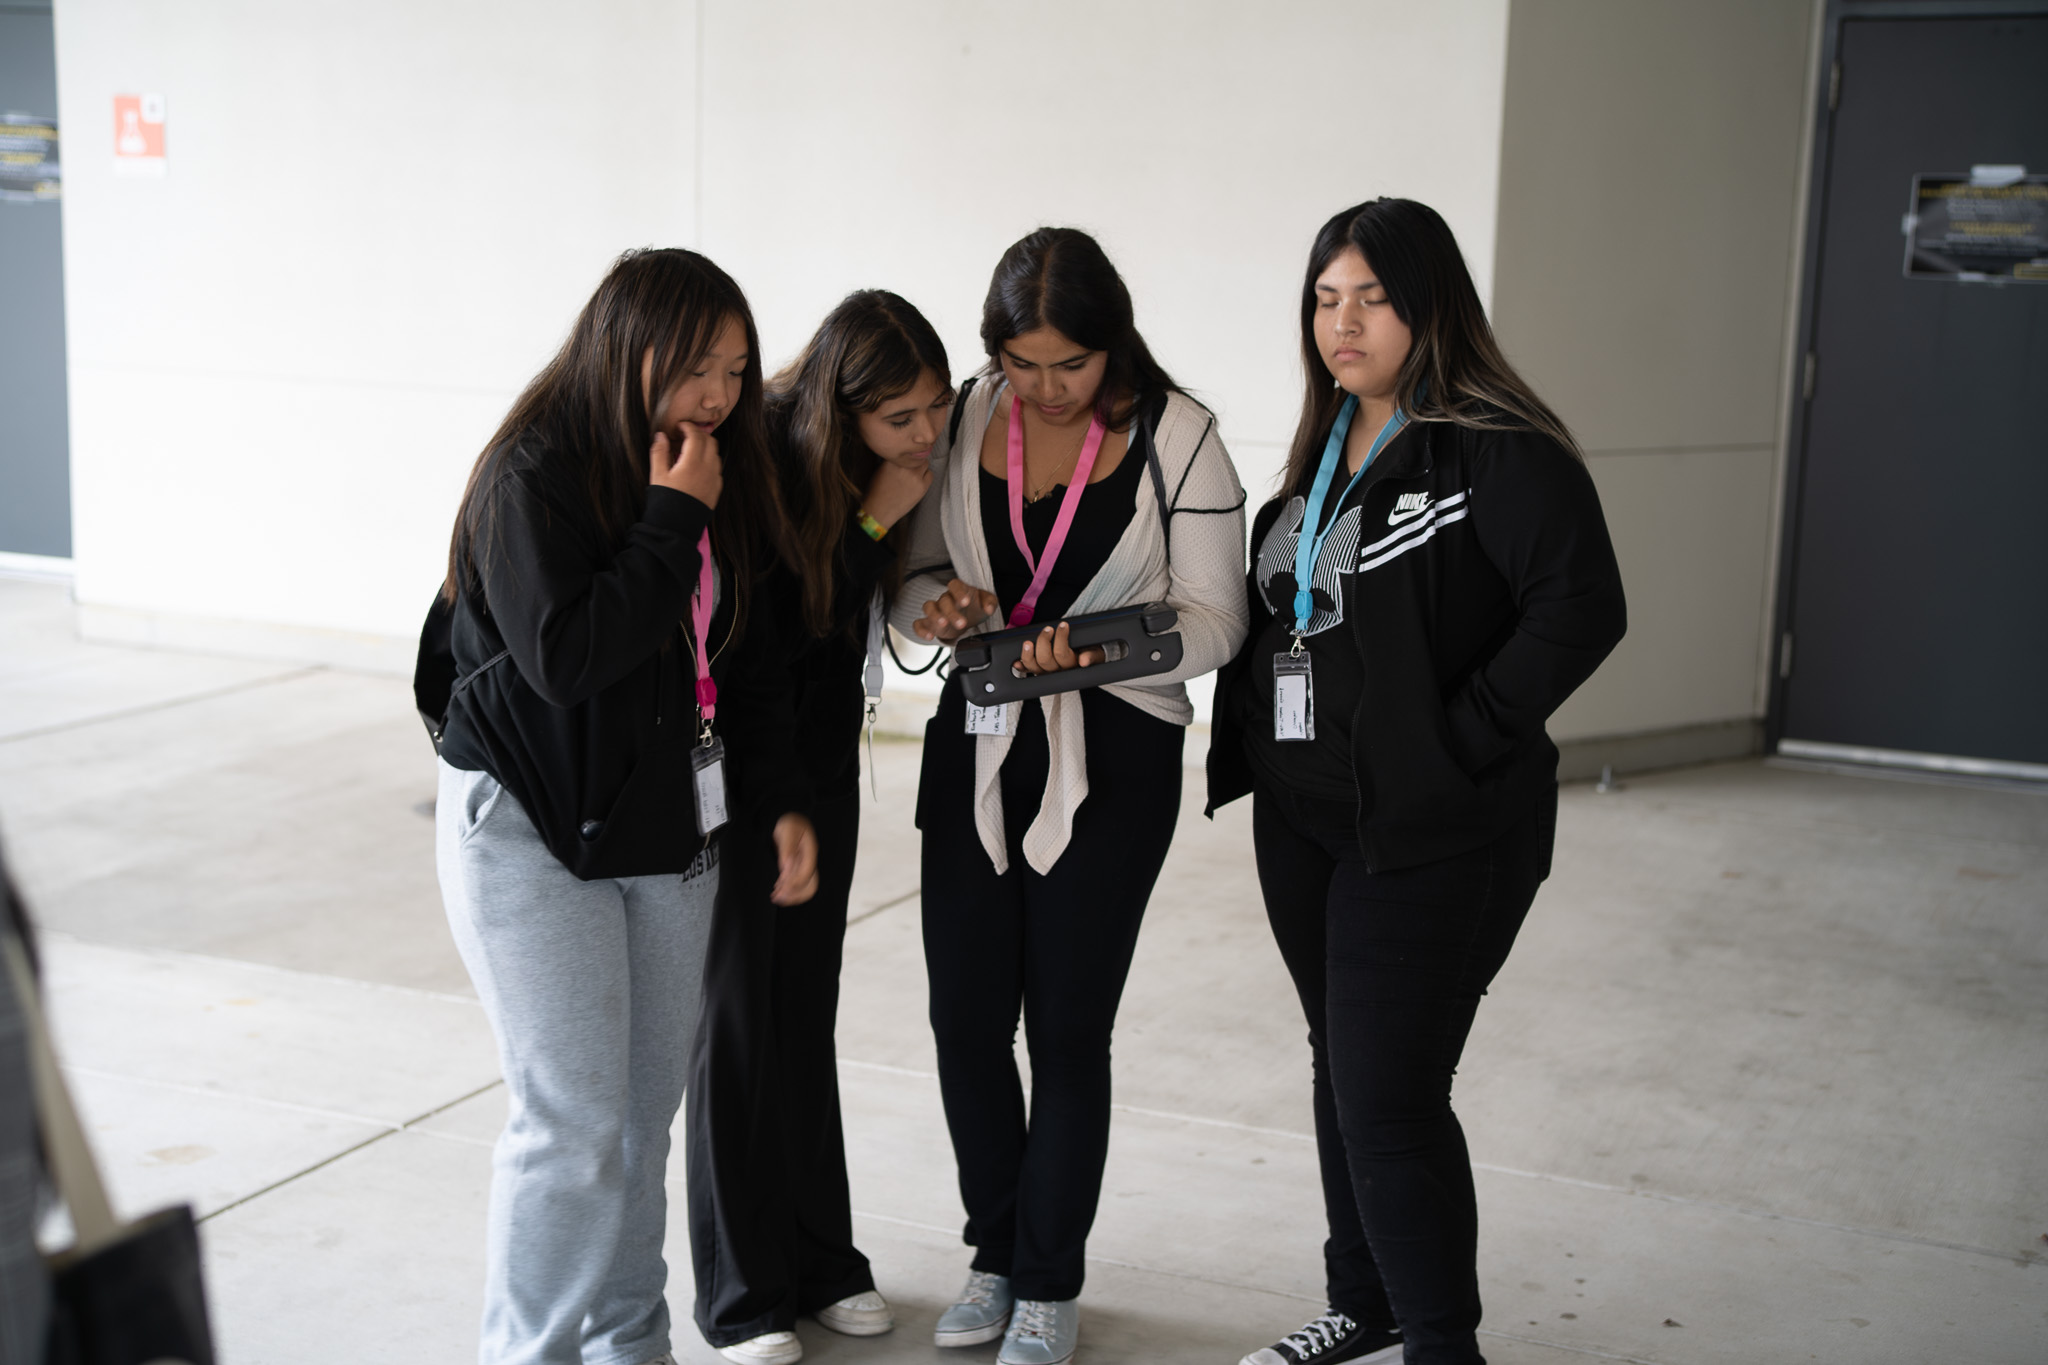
{"points": [[379, 217], [907, 144], [1650, 187]]}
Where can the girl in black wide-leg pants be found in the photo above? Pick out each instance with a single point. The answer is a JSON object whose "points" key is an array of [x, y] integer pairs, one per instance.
{"points": [[851, 423], [771, 1228]]}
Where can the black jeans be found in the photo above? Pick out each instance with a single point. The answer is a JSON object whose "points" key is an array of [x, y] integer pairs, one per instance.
{"points": [[771, 1229], [1057, 947], [1390, 967]]}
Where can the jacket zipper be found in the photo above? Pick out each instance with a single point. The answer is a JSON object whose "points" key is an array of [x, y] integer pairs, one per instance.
{"points": [[1357, 788], [1358, 708]]}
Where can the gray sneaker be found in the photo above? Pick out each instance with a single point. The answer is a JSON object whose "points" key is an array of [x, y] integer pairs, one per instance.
{"points": [[981, 1314], [1042, 1333]]}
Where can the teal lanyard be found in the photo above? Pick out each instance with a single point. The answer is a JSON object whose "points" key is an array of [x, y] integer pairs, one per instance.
{"points": [[1313, 532]]}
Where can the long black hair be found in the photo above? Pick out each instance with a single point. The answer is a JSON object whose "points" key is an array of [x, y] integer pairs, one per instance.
{"points": [[1455, 371], [1059, 277], [872, 348], [588, 415]]}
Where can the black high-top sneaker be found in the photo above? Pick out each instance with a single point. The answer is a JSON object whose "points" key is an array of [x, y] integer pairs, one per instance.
{"points": [[1332, 1339]]}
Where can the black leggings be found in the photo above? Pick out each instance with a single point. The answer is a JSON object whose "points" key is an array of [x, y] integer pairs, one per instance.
{"points": [[1057, 947], [770, 1228], [1390, 967]]}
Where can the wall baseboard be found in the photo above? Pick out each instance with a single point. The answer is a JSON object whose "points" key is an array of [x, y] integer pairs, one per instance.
{"points": [[1678, 747], [361, 653], [35, 568]]}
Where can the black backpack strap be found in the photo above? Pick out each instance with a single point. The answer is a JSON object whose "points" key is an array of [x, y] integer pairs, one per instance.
{"points": [[462, 683], [435, 683], [1146, 429], [959, 406], [434, 672]]}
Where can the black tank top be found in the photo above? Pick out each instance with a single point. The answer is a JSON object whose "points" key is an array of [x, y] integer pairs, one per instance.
{"points": [[1099, 523]]}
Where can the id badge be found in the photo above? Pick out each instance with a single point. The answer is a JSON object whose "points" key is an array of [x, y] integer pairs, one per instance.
{"points": [[988, 720], [1294, 697], [707, 766]]}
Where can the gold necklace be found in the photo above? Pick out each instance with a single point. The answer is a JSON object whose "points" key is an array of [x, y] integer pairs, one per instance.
{"points": [[1031, 498], [1039, 496]]}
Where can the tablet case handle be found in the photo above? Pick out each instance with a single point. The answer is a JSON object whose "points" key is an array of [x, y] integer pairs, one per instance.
{"points": [[986, 664]]}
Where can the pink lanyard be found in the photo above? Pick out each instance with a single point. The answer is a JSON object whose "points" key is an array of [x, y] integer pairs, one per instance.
{"points": [[1041, 568], [702, 602]]}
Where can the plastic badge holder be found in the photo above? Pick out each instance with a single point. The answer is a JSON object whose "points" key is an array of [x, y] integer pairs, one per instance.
{"points": [[986, 664]]}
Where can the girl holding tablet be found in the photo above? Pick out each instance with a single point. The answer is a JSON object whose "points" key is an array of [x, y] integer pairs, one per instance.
{"points": [[1078, 478], [1434, 579]]}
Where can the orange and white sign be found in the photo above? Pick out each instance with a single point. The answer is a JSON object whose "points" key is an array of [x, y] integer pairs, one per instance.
{"points": [[138, 134]]}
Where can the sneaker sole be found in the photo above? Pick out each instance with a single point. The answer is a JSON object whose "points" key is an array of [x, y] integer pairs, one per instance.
{"points": [[786, 1358], [1063, 1360], [852, 1328], [1386, 1355], [973, 1336]]}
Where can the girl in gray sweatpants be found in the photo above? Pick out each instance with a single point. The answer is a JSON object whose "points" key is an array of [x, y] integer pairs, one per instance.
{"points": [[598, 708], [593, 989]]}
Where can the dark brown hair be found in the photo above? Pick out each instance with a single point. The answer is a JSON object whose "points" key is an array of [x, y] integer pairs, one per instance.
{"points": [[1455, 371], [872, 348], [590, 420], [1060, 278]]}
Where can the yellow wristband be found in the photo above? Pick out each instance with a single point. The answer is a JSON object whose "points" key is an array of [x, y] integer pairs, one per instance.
{"points": [[874, 528]]}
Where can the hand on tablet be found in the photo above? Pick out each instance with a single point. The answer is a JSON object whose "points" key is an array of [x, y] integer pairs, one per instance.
{"points": [[1052, 651], [954, 612]]}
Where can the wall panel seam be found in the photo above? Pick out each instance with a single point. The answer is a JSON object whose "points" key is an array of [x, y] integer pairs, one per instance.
{"points": [[1681, 450]]}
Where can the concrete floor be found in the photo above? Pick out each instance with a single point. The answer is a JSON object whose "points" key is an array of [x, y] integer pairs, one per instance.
{"points": [[1765, 1079]]}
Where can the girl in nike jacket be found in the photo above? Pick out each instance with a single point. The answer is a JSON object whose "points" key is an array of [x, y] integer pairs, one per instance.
{"points": [[1433, 581]]}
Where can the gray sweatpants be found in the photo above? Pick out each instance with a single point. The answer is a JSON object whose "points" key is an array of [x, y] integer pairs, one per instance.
{"points": [[592, 989]]}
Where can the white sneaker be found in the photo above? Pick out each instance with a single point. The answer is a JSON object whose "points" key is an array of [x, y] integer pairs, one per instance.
{"points": [[866, 1314], [770, 1348]]}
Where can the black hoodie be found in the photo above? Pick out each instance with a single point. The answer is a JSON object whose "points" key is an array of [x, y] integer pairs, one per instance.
{"points": [[828, 671], [1485, 591], [570, 677]]}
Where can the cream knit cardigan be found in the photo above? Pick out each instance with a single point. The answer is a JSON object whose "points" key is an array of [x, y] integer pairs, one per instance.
{"points": [[1205, 585]]}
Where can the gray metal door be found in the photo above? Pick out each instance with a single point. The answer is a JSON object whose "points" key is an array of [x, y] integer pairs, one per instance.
{"points": [[1916, 620], [35, 439]]}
